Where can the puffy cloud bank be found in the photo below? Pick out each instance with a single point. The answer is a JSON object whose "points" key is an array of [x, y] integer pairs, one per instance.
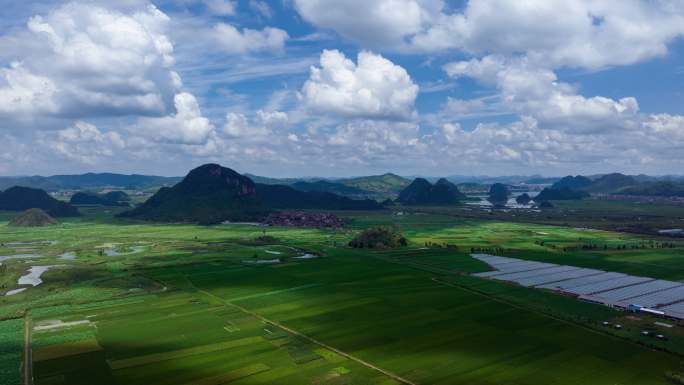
{"points": [[374, 87]]}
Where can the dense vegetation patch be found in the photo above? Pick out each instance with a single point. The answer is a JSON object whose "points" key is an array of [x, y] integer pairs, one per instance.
{"points": [[378, 238], [262, 240], [304, 219], [10, 351]]}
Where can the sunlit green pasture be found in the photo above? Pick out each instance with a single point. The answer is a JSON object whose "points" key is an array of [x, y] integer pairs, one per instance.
{"points": [[140, 303]]}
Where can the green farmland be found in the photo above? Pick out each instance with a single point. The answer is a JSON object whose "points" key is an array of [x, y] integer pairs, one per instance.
{"points": [[130, 303]]}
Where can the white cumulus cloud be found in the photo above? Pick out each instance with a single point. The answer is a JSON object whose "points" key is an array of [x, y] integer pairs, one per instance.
{"points": [[25, 93], [221, 7], [232, 40], [375, 23], [374, 87], [536, 91], [85, 60], [186, 126], [263, 126], [85, 143], [579, 33]]}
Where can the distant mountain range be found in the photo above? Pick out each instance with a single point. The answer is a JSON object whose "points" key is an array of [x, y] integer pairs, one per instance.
{"points": [[609, 183], [212, 193], [377, 187], [280, 181], [332, 187], [660, 189], [380, 184], [572, 182], [87, 181], [560, 194], [511, 179], [578, 187]]}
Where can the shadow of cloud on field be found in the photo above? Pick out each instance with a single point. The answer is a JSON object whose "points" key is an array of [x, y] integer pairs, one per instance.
{"points": [[11, 361], [388, 314]]}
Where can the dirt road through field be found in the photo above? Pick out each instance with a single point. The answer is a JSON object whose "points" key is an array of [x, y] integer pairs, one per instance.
{"points": [[28, 359], [367, 364]]}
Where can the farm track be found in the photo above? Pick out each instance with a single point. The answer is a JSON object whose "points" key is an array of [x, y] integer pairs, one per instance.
{"points": [[28, 352], [275, 292], [367, 364]]}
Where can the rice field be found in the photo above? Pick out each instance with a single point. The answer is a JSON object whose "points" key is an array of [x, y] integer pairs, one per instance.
{"points": [[185, 304]]}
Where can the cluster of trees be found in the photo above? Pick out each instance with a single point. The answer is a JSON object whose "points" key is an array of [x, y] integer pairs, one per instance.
{"points": [[593, 246], [379, 238], [442, 245], [676, 377], [490, 250]]}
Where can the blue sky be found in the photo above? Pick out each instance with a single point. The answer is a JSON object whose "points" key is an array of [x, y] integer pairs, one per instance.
{"points": [[338, 88]]}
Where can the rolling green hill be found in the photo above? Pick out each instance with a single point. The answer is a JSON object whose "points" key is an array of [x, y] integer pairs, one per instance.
{"points": [[33, 218], [331, 187], [286, 197], [611, 183], [212, 194], [388, 184], [572, 182], [498, 194], [23, 198], [208, 194], [560, 194], [660, 189], [422, 192]]}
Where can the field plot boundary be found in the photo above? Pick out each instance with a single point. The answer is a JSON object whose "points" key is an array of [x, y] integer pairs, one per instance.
{"points": [[494, 298], [232, 375], [387, 373], [165, 356], [540, 313], [52, 352], [274, 292]]}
